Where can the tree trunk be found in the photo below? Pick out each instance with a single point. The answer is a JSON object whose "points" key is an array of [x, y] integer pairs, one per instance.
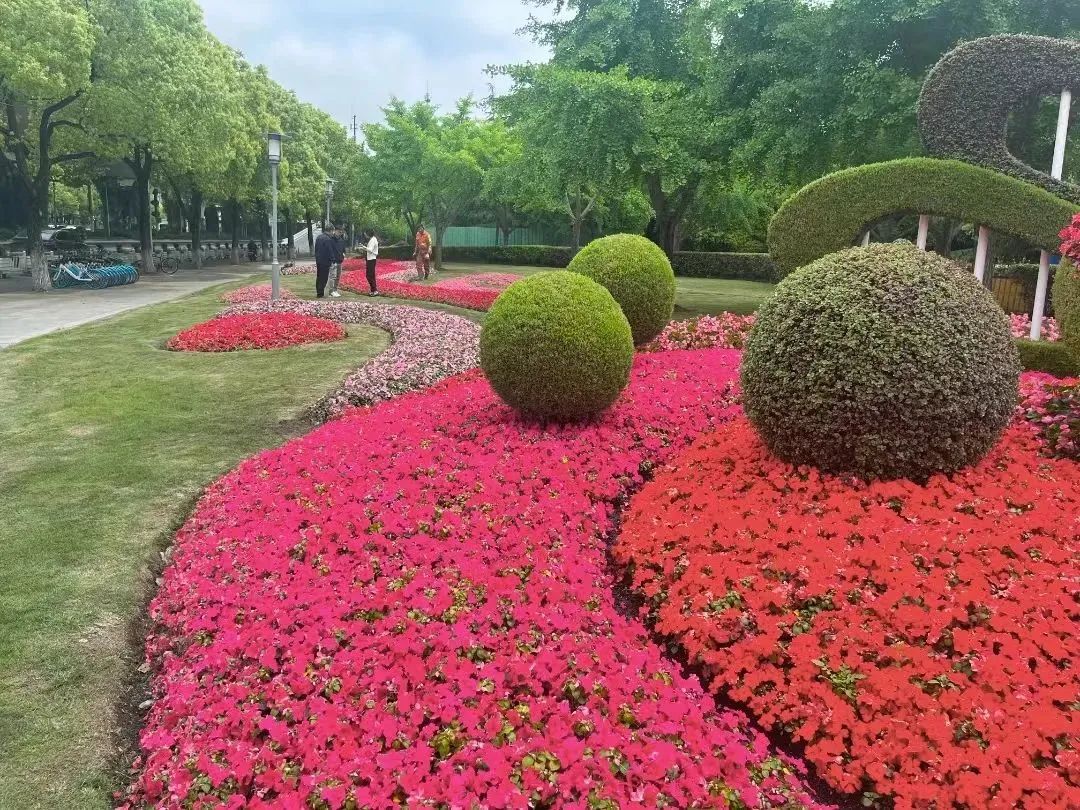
{"points": [[142, 163], [310, 233], [440, 232], [198, 210], [235, 206], [35, 251], [575, 230], [670, 209]]}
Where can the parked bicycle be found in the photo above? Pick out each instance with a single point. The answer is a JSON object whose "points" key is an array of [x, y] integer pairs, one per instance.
{"points": [[165, 265]]}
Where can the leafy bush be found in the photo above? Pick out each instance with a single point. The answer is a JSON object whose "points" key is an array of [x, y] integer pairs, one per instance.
{"points": [[739, 266], [886, 362], [556, 346], [831, 213], [1067, 304], [1051, 358], [639, 276], [967, 98]]}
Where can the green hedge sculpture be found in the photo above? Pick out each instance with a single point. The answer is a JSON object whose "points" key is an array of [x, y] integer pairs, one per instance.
{"points": [[1049, 358], [885, 362], [967, 98], [832, 213], [1067, 304], [556, 346]]}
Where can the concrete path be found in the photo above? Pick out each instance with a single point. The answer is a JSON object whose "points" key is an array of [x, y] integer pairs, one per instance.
{"points": [[25, 314]]}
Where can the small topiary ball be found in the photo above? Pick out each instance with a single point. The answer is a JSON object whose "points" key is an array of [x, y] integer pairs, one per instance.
{"points": [[637, 272], [886, 362], [556, 346]]}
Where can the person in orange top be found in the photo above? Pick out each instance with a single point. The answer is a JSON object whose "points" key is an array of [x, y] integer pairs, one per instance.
{"points": [[423, 253]]}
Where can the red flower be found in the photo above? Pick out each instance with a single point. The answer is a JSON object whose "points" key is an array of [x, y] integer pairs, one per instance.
{"points": [[266, 330]]}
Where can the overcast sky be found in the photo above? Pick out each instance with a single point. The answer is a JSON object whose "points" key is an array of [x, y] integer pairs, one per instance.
{"points": [[349, 58]]}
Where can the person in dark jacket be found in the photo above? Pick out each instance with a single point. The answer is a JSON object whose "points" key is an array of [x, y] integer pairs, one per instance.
{"points": [[335, 276], [325, 255]]}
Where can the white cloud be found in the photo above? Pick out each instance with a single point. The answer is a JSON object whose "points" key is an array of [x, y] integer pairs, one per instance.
{"points": [[352, 62]]}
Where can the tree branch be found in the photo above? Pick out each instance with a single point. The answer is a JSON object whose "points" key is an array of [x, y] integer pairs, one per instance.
{"points": [[54, 125]]}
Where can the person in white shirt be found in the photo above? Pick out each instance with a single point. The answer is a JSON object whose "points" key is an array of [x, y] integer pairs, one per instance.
{"points": [[372, 260]]}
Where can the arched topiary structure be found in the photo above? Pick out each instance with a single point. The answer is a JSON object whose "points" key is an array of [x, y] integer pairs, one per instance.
{"points": [[966, 100], [830, 214]]}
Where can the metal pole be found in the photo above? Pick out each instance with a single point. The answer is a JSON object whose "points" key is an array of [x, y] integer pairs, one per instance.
{"points": [[150, 214], [275, 270], [329, 196], [924, 231], [1056, 170], [108, 225]]}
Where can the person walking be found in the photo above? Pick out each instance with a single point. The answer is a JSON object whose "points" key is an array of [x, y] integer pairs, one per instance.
{"points": [[423, 253], [372, 260], [335, 273], [325, 256]]}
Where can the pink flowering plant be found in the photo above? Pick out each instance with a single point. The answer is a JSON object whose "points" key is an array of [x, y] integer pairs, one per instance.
{"points": [[1052, 407], [1021, 328], [412, 607], [254, 293], [428, 346], [724, 331], [398, 279]]}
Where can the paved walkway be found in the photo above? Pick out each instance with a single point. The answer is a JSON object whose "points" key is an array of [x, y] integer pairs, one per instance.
{"points": [[25, 314]]}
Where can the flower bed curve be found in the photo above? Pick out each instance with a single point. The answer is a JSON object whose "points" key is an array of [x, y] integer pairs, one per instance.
{"points": [[254, 294], [723, 331], [428, 346], [411, 606], [396, 279], [262, 330], [920, 640]]}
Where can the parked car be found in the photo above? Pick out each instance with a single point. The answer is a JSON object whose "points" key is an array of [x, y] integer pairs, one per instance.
{"points": [[66, 238]]}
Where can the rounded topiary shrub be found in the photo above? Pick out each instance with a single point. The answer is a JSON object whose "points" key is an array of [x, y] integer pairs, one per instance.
{"points": [[885, 362], [638, 274], [1067, 304], [556, 346]]}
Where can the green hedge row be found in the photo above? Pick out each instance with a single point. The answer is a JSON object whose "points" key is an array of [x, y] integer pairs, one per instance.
{"points": [[832, 213], [966, 100], [741, 266], [1051, 358]]}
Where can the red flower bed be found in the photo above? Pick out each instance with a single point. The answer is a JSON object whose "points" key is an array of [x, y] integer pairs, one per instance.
{"points": [[264, 330], [397, 279], [410, 606], [922, 641]]}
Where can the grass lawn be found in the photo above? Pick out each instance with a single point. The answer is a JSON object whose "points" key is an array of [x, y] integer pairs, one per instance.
{"points": [[693, 296], [105, 441]]}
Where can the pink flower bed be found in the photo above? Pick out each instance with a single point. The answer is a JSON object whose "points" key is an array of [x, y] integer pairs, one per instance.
{"points": [[1052, 407], [724, 331], [397, 279], [262, 330], [298, 269], [254, 293], [411, 606], [1021, 328], [428, 346]]}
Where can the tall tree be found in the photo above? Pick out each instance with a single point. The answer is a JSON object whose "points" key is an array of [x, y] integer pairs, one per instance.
{"points": [[47, 57]]}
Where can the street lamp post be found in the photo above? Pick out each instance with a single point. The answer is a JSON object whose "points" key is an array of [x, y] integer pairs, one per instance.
{"points": [[329, 199], [273, 147]]}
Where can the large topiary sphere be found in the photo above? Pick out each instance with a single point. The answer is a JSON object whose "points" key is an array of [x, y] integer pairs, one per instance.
{"points": [[1067, 304], [637, 272], [885, 362], [556, 346]]}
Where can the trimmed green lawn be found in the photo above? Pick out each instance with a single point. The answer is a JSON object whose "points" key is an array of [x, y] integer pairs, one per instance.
{"points": [[105, 441], [693, 296]]}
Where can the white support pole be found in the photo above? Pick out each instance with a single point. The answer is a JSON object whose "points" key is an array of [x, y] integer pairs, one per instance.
{"points": [[866, 239], [1056, 170], [924, 231], [1040, 296], [982, 253]]}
